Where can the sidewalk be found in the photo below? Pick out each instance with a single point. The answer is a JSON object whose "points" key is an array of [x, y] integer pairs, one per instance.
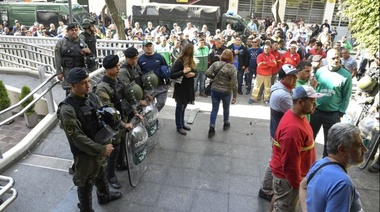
{"points": [[185, 173]]}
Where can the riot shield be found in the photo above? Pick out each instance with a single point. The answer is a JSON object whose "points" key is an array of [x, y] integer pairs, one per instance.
{"points": [[136, 149], [150, 115]]}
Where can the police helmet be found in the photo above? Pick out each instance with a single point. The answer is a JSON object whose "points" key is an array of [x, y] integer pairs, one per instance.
{"points": [[150, 80], [110, 121], [133, 93], [110, 116], [86, 23]]}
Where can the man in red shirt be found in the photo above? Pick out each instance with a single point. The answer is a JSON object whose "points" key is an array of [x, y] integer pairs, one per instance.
{"points": [[293, 149], [265, 64], [317, 50], [277, 55], [291, 57]]}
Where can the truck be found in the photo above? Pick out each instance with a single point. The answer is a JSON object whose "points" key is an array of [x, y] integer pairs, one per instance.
{"points": [[42, 12], [167, 14]]}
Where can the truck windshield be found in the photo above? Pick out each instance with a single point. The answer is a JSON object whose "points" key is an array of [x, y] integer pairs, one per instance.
{"points": [[79, 17]]}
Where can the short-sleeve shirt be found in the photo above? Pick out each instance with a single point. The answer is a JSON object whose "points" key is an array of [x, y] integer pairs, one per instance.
{"points": [[350, 64]]}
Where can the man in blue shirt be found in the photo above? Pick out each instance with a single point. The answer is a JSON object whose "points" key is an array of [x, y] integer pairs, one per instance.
{"points": [[151, 61], [327, 186], [253, 52]]}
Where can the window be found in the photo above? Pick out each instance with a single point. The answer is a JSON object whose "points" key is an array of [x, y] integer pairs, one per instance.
{"points": [[309, 10], [257, 8], [338, 19]]}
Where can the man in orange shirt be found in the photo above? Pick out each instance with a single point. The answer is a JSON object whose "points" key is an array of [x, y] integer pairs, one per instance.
{"points": [[265, 64], [317, 50], [276, 54], [291, 57]]}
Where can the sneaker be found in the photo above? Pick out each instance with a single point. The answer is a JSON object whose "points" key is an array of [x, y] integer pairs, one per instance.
{"points": [[240, 92], [266, 101], [265, 196], [226, 126], [203, 95], [211, 132], [374, 168], [248, 92], [250, 101]]}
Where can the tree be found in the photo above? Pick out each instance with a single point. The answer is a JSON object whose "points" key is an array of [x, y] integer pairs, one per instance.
{"points": [[364, 22], [116, 18]]}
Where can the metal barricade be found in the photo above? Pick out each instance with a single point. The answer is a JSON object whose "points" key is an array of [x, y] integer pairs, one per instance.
{"points": [[7, 191]]}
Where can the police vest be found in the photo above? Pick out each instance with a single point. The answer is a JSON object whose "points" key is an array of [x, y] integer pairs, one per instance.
{"points": [[71, 53], [133, 74], [116, 96], [87, 116], [91, 42]]}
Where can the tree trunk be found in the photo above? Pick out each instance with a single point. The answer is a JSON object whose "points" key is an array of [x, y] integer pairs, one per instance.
{"points": [[102, 15], [116, 18], [275, 7]]}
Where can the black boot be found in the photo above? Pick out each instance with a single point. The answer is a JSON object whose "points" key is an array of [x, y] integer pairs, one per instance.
{"points": [[111, 168], [103, 192], [121, 163], [211, 132], [85, 198]]}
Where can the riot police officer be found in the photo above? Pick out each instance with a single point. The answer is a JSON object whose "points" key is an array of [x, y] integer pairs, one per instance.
{"points": [[89, 140], [70, 52], [111, 91], [88, 35]]}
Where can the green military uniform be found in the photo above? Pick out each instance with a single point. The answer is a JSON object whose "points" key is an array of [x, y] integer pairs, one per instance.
{"points": [[68, 55], [110, 93], [89, 157]]}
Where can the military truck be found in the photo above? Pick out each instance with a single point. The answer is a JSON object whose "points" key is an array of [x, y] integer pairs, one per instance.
{"points": [[167, 14], [42, 12]]}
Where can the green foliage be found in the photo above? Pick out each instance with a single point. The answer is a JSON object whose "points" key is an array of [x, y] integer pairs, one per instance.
{"points": [[25, 90], [5, 102], [364, 22]]}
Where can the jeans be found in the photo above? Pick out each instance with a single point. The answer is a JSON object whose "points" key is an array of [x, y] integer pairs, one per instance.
{"points": [[240, 76], [249, 78], [201, 78], [161, 94], [180, 115], [216, 97]]}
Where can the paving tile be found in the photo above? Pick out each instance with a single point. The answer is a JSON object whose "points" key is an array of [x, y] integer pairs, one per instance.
{"points": [[214, 181], [244, 167], [216, 163], [187, 160], [210, 201], [176, 198], [182, 177], [244, 185]]}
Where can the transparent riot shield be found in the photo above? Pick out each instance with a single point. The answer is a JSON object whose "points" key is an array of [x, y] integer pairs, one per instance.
{"points": [[150, 115], [136, 149]]}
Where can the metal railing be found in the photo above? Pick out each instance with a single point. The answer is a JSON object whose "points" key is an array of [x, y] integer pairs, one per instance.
{"points": [[32, 52], [7, 189], [50, 101]]}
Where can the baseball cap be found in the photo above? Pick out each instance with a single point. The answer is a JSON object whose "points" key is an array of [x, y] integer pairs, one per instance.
{"points": [[305, 91], [287, 70], [146, 42]]}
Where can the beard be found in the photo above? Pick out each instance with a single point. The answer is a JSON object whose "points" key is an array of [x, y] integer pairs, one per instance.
{"points": [[353, 162]]}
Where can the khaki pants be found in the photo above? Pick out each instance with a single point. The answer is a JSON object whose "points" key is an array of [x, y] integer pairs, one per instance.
{"points": [[261, 80], [285, 198]]}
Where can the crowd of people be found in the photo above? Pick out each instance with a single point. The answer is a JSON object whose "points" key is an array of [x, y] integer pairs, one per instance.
{"points": [[294, 70]]}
